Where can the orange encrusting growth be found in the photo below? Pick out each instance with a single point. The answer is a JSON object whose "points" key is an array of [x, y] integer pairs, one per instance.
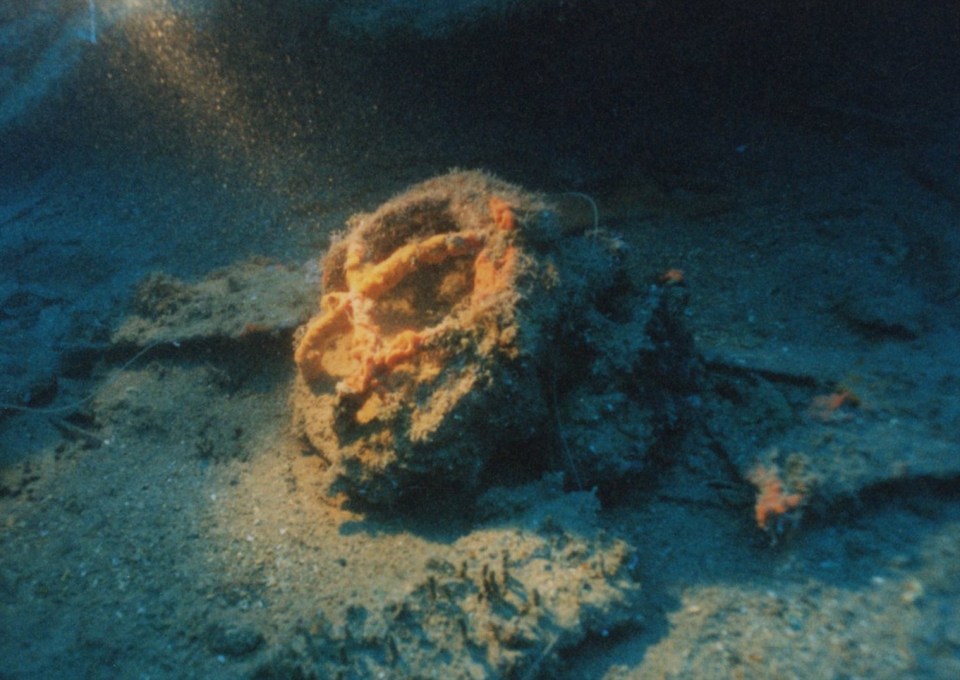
{"points": [[672, 276], [824, 407], [772, 500], [375, 280], [345, 341], [502, 214], [491, 275]]}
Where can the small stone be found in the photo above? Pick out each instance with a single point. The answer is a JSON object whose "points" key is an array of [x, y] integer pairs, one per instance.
{"points": [[233, 640]]}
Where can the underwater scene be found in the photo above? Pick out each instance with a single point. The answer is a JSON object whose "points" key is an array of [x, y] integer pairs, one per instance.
{"points": [[608, 339]]}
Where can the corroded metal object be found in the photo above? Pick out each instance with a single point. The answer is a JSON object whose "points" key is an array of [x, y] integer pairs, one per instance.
{"points": [[448, 319]]}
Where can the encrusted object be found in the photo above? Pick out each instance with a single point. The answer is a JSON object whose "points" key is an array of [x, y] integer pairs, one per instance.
{"points": [[452, 321], [424, 335]]}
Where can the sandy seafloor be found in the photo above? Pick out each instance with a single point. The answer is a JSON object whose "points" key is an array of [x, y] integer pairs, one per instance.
{"points": [[159, 520]]}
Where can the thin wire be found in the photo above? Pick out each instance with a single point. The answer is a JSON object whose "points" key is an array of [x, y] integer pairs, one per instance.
{"points": [[76, 404], [593, 207]]}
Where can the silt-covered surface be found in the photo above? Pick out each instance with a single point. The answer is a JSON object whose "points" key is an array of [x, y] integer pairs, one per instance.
{"points": [[713, 426]]}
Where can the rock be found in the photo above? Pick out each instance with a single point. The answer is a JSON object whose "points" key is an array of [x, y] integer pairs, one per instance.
{"points": [[231, 640], [252, 297], [883, 310], [504, 601]]}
